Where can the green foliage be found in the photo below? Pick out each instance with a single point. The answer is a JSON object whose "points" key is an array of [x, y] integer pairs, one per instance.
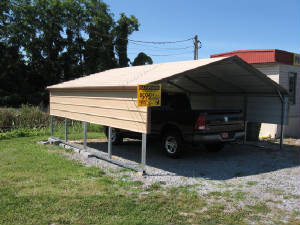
{"points": [[95, 128], [47, 42], [7, 118], [22, 133], [125, 27], [142, 59], [26, 117], [31, 121], [31, 117], [260, 208], [155, 186], [99, 54], [251, 183]]}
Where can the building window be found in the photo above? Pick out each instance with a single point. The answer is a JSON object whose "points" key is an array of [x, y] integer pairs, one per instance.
{"points": [[292, 88]]}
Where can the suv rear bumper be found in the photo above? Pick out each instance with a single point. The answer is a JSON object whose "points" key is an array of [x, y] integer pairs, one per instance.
{"points": [[207, 138]]}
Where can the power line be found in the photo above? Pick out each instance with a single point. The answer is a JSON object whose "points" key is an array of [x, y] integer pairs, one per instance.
{"points": [[160, 42], [145, 42], [154, 55], [183, 53], [159, 48], [154, 49]]}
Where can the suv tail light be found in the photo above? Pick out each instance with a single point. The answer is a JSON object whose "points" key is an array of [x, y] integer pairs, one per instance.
{"points": [[200, 124]]}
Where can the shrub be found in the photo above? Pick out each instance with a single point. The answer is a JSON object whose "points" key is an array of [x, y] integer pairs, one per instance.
{"points": [[22, 133], [95, 128], [31, 121], [25, 117], [31, 117], [7, 118]]}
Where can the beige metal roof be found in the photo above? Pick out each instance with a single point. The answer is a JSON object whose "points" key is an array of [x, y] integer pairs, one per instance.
{"points": [[203, 76]]}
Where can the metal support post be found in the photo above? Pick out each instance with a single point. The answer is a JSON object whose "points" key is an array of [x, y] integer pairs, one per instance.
{"points": [[245, 118], [283, 115], [283, 102], [109, 142], [84, 134], [66, 129], [281, 125], [51, 126], [245, 127], [144, 143]]}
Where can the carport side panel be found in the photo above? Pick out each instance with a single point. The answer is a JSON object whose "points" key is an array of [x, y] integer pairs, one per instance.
{"points": [[265, 110], [129, 116], [260, 109]]}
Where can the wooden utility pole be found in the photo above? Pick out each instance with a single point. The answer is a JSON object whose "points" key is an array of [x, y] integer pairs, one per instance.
{"points": [[196, 47]]}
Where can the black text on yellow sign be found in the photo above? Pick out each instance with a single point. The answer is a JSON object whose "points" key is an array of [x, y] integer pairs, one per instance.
{"points": [[149, 95]]}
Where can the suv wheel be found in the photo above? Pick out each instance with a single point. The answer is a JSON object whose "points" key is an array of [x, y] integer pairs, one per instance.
{"points": [[116, 137], [172, 144], [214, 147]]}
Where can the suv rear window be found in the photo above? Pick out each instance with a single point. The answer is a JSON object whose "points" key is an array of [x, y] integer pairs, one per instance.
{"points": [[176, 102]]}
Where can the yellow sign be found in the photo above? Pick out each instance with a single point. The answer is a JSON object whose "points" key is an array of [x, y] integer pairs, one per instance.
{"points": [[296, 59], [149, 95]]}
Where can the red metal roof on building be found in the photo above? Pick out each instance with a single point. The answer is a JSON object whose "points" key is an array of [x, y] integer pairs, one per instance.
{"points": [[261, 56]]}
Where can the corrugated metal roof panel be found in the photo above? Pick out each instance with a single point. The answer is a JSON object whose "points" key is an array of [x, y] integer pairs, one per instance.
{"points": [[134, 75], [260, 56], [225, 75]]}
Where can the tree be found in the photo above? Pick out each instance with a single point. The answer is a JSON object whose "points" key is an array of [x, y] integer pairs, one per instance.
{"points": [[43, 42], [99, 48], [125, 27], [74, 23], [12, 83], [142, 59]]}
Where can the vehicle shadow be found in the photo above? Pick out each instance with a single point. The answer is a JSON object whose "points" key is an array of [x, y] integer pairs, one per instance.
{"points": [[234, 160]]}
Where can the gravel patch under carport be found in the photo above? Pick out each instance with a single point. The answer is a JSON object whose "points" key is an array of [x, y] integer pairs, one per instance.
{"points": [[248, 173]]}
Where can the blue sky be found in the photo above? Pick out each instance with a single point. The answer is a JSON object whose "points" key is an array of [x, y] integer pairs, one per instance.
{"points": [[221, 25]]}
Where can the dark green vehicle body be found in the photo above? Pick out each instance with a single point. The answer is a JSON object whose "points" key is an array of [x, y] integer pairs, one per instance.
{"points": [[176, 117]]}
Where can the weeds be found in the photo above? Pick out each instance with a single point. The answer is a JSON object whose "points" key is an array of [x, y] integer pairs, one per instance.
{"points": [[260, 208], [26, 117], [22, 133], [31, 121], [251, 183], [155, 186]]}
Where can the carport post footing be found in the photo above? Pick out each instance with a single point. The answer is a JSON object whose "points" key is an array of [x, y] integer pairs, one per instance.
{"points": [[109, 142], [143, 160], [84, 134]]}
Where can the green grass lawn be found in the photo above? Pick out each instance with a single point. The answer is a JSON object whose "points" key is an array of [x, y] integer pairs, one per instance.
{"points": [[38, 185]]}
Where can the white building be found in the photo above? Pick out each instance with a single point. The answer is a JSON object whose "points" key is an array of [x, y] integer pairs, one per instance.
{"points": [[282, 67]]}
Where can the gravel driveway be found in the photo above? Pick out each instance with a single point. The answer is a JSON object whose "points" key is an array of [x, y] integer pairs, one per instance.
{"points": [[246, 173]]}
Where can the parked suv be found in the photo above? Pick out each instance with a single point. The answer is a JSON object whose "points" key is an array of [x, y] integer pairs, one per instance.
{"points": [[176, 123]]}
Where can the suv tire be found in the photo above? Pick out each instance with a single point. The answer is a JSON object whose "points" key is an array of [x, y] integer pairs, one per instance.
{"points": [[172, 143]]}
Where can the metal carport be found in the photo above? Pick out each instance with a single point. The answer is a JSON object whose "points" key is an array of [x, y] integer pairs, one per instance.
{"points": [[109, 98]]}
